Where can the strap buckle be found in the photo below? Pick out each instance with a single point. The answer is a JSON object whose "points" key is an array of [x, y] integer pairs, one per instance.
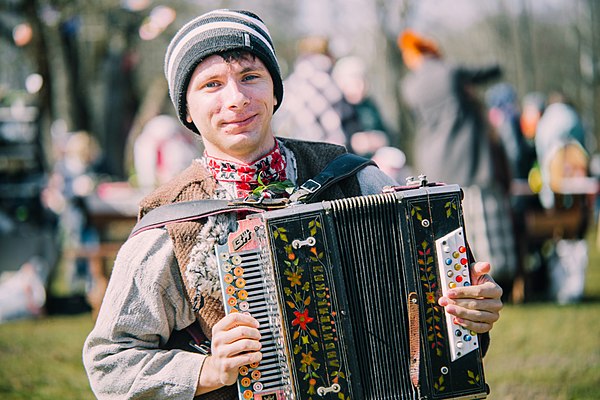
{"points": [[308, 188], [311, 186], [202, 348], [250, 199], [261, 202]]}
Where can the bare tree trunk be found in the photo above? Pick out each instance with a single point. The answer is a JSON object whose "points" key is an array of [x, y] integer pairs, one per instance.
{"points": [[521, 41], [393, 70], [39, 53], [594, 9]]}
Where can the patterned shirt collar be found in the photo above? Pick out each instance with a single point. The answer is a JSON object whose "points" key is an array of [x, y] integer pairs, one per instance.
{"points": [[244, 177]]}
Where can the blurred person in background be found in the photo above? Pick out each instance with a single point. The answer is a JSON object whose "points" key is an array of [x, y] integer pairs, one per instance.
{"points": [[532, 108], [74, 177], [162, 150], [505, 117], [368, 133], [455, 144], [559, 126], [164, 281], [315, 108], [560, 142]]}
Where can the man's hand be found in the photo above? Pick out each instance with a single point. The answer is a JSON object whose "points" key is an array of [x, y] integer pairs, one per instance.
{"points": [[478, 306], [235, 342]]}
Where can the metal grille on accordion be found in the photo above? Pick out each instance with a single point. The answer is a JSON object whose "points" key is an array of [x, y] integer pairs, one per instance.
{"points": [[346, 294]]}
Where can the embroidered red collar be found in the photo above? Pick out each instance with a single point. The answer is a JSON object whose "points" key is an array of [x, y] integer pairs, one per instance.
{"points": [[245, 177]]}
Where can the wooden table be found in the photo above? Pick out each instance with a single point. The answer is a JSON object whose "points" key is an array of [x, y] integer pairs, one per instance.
{"points": [[112, 211]]}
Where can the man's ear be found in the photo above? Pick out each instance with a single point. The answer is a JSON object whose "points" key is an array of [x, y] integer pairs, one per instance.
{"points": [[188, 118], [275, 102]]}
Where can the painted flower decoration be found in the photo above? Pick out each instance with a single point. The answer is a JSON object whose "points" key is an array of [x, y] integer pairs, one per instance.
{"points": [[309, 360], [294, 278], [302, 319], [430, 297]]}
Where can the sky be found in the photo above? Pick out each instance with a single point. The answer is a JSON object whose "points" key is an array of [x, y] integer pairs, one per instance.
{"points": [[456, 14], [316, 15]]}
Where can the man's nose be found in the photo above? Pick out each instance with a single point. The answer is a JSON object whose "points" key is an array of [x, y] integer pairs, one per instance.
{"points": [[235, 94]]}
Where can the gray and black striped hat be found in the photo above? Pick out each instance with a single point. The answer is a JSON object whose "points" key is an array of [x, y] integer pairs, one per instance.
{"points": [[215, 32]]}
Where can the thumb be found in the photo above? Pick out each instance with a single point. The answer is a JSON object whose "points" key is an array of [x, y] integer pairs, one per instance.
{"points": [[481, 268]]}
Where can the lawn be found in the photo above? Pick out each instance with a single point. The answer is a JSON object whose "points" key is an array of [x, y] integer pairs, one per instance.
{"points": [[41, 360], [539, 351], [544, 351]]}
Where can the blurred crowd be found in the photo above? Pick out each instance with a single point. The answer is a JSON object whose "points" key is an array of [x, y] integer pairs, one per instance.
{"points": [[525, 165]]}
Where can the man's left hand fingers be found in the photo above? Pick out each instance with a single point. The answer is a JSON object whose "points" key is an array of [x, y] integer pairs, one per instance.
{"points": [[481, 268], [473, 309], [487, 290], [477, 327]]}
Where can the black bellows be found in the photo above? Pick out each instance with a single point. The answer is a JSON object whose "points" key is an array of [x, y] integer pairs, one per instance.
{"points": [[376, 291]]}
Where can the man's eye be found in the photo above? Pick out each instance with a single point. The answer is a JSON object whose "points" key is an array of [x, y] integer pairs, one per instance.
{"points": [[250, 77], [211, 84]]}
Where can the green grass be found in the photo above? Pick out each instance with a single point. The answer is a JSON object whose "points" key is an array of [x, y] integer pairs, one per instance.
{"points": [[41, 359], [545, 351], [540, 351]]}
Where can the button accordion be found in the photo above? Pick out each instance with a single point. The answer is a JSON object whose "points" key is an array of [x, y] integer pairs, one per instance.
{"points": [[346, 295]]}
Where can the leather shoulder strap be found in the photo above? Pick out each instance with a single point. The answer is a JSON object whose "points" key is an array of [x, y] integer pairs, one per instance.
{"points": [[339, 168], [186, 211]]}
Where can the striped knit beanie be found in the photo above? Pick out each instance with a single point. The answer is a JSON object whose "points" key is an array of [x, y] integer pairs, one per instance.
{"points": [[215, 32]]}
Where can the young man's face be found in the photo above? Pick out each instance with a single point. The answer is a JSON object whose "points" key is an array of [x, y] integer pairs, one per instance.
{"points": [[231, 103]]}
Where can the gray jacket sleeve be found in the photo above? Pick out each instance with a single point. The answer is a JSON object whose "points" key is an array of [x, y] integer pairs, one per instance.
{"points": [[141, 307], [371, 180]]}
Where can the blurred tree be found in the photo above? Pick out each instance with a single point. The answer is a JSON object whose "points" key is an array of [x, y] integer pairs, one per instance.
{"points": [[100, 75], [81, 50], [16, 13]]}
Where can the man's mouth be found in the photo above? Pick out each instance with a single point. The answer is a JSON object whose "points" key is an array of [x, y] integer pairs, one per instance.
{"points": [[240, 121]]}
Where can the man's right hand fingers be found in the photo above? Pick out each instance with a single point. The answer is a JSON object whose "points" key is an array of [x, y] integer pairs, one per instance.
{"points": [[237, 347], [235, 319], [235, 334]]}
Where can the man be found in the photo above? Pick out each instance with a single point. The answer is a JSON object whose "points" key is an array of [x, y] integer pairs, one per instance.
{"points": [[225, 84]]}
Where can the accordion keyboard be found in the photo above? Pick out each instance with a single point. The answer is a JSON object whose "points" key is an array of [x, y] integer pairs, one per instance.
{"points": [[243, 285], [454, 272]]}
